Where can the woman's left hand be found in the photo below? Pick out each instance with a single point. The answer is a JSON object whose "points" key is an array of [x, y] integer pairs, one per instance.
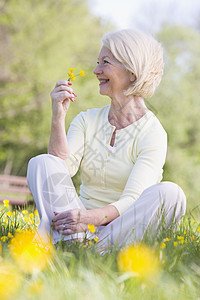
{"points": [[70, 221]]}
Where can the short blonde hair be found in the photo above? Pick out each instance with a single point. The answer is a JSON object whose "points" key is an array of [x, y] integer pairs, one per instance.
{"points": [[141, 54]]}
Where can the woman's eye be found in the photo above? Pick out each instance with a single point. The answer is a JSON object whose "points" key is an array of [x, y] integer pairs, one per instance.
{"points": [[105, 61]]}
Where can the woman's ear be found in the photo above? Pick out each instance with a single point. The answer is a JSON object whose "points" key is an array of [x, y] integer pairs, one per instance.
{"points": [[132, 77]]}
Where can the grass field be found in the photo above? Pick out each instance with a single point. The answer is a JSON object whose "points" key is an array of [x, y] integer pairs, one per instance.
{"points": [[164, 267]]}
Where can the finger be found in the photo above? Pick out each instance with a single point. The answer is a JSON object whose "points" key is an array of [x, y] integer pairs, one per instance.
{"points": [[63, 87], [64, 82]]}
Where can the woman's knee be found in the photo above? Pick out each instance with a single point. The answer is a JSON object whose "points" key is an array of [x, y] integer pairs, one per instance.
{"points": [[173, 196]]}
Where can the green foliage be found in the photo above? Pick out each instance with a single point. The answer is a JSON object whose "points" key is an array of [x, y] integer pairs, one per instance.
{"points": [[40, 40], [176, 102]]}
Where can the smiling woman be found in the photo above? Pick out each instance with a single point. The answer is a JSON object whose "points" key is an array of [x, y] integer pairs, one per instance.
{"points": [[120, 150]]}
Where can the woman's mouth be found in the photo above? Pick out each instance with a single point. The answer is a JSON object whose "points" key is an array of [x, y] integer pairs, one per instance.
{"points": [[103, 81]]}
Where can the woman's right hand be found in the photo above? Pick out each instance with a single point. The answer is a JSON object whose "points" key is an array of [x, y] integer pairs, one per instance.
{"points": [[61, 96]]}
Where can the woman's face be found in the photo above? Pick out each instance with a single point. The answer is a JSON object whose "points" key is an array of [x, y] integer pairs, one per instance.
{"points": [[112, 75]]}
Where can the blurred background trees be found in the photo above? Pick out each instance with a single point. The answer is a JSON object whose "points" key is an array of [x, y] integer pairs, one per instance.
{"points": [[41, 39]]}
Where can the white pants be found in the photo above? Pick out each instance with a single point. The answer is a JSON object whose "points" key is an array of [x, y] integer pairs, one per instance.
{"points": [[53, 191]]}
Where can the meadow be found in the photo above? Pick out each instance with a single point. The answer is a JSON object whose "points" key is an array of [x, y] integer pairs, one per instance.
{"points": [[166, 266]]}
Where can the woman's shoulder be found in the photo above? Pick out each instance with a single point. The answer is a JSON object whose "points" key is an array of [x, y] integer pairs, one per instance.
{"points": [[93, 113]]}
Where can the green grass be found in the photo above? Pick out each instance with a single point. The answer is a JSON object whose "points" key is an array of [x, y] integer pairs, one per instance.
{"points": [[78, 272]]}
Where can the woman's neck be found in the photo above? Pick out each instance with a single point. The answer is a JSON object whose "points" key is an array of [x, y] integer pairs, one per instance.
{"points": [[126, 112]]}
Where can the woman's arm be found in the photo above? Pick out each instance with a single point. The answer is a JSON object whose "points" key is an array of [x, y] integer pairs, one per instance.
{"points": [[61, 96]]}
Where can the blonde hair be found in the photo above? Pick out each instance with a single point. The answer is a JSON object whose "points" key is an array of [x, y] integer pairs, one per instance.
{"points": [[141, 54]]}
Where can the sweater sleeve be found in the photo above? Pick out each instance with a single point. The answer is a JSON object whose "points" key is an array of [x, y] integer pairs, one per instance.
{"points": [[75, 139], [151, 148]]}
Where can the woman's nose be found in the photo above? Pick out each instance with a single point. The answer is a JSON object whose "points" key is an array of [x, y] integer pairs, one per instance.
{"points": [[97, 70]]}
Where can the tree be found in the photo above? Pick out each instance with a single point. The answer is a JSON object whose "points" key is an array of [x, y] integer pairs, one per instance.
{"points": [[40, 40]]}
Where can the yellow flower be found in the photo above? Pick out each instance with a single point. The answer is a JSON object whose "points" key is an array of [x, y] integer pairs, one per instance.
{"points": [[198, 228], [96, 239], [18, 230], [91, 228], [26, 219], [180, 238], [10, 280], [5, 221], [175, 244], [82, 73], [166, 240], [90, 243], [162, 245], [30, 252], [12, 223], [71, 70], [139, 260], [6, 203], [24, 212], [31, 215], [71, 75], [4, 238], [184, 232], [36, 212], [9, 214], [10, 235], [193, 238]]}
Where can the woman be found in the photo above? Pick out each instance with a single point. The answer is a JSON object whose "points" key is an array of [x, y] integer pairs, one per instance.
{"points": [[120, 150]]}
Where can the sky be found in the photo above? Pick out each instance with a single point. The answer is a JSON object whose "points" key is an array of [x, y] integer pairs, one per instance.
{"points": [[147, 14]]}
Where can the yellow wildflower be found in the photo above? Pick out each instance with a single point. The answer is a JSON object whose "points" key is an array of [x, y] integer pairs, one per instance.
{"points": [[31, 215], [6, 203], [18, 230], [71, 70], [162, 245], [12, 223], [24, 212], [175, 244], [139, 260], [5, 221], [36, 212], [26, 219], [9, 213], [73, 78], [96, 239], [166, 240], [184, 232], [4, 238], [10, 235], [10, 280], [91, 228], [198, 228], [31, 253], [82, 73], [180, 238]]}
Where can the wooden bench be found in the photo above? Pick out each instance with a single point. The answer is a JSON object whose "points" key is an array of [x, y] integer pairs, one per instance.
{"points": [[14, 189]]}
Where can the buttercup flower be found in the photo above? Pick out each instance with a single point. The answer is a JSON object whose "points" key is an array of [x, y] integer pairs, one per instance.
{"points": [[162, 245], [175, 244], [4, 238], [96, 239], [71, 75], [9, 214], [139, 260], [31, 215], [10, 280], [6, 203], [91, 228], [24, 212], [31, 253], [10, 235], [36, 212]]}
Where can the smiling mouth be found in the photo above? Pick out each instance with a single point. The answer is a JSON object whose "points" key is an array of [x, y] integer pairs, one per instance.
{"points": [[102, 82]]}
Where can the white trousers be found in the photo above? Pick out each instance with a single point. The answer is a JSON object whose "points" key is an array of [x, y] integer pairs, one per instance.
{"points": [[53, 191]]}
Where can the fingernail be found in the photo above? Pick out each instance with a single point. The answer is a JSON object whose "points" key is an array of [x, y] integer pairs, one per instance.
{"points": [[74, 94], [69, 83]]}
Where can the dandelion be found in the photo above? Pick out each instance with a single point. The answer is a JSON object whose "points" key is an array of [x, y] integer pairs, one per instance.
{"points": [[91, 228], [31, 215], [162, 245], [31, 253], [175, 244], [4, 238], [139, 260], [9, 214], [24, 212], [96, 239], [10, 280], [71, 75], [5, 203]]}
